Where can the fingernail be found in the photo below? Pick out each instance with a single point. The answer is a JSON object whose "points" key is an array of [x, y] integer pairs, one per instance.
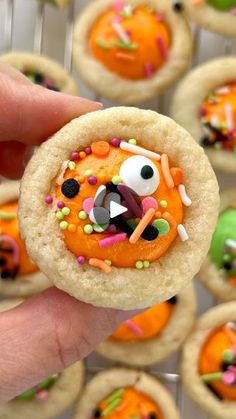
{"points": [[28, 154], [99, 104]]}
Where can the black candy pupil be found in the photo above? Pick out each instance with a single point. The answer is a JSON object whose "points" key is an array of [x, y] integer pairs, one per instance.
{"points": [[150, 233], [173, 300], [178, 6], [97, 413], [147, 172], [70, 188]]}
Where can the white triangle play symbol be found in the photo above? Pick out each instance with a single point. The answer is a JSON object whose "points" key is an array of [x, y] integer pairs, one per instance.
{"points": [[116, 209]]}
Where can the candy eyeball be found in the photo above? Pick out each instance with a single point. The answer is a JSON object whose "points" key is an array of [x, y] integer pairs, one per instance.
{"points": [[140, 174]]}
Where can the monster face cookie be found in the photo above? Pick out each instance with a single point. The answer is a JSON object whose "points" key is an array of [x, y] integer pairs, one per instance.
{"points": [[218, 272], [114, 208], [205, 104], [154, 334], [215, 15], [19, 276], [42, 71], [122, 393], [209, 359], [129, 51]]}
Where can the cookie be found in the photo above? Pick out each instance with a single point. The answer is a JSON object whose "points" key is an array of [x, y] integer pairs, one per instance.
{"points": [[218, 272], [42, 70], [130, 51], [218, 16], [106, 198], [153, 335], [122, 393], [19, 276], [208, 362], [205, 104]]}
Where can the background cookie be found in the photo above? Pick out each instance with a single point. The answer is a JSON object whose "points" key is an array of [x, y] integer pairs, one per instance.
{"points": [[59, 3]]}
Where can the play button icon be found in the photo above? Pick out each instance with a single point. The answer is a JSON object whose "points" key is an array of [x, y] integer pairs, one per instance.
{"points": [[116, 209]]}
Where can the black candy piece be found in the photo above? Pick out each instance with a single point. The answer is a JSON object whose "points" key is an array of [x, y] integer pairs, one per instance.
{"points": [[227, 266], [38, 78], [97, 413], [150, 233], [112, 188], [147, 172], [122, 225], [205, 142], [173, 300], [2, 261], [5, 274], [152, 416], [70, 188], [224, 366], [178, 7]]}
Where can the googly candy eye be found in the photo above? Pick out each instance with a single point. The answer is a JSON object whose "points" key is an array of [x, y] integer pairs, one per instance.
{"points": [[140, 174]]}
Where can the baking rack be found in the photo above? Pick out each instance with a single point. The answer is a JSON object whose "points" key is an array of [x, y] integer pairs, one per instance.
{"points": [[12, 9]]}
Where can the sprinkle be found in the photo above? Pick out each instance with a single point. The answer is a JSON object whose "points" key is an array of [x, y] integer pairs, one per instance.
{"points": [[159, 18], [177, 175], [134, 327], [99, 215], [233, 11], [88, 204], [72, 228], [87, 150], [115, 142], [98, 263], [139, 150], [141, 225], [100, 148], [65, 211], [120, 32], [88, 172], [146, 264], [108, 262], [111, 196], [88, 229], [115, 238], [81, 260], [127, 11], [228, 377], [111, 407], [228, 355], [100, 228], [42, 395], [74, 155], [82, 155], [215, 376], [162, 47], [124, 45], [149, 202], [132, 141], [118, 5], [82, 215], [123, 56], [163, 203], [71, 165], [183, 195], [231, 243], [14, 245], [130, 200], [102, 44], [63, 225], [80, 178], [229, 116], [116, 394], [182, 233], [7, 216], [100, 195], [139, 264], [92, 180], [149, 70], [166, 171], [112, 229], [116, 180], [60, 204], [48, 199], [162, 226], [59, 215]]}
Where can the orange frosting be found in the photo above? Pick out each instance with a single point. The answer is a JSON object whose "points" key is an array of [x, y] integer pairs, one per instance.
{"points": [[130, 402], [145, 33], [123, 253], [151, 322], [10, 227], [211, 359]]}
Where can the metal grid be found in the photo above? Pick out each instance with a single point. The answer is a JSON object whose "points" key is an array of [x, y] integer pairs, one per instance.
{"points": [[8, 14]]}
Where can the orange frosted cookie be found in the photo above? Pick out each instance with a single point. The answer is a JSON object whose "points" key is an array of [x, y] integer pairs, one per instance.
{"points": [[136, 49], [115, 204]]}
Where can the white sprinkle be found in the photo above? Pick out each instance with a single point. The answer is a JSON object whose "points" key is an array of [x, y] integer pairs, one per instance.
{"points": [[100, 195], [229, 116], [222, 90], [120, 32], [231, 243], [214, 121], [139, 150], [182, 233], [184, 197]]}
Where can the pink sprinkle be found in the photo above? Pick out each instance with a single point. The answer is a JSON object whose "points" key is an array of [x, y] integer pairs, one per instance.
{"points": [[60, 204], [159, 18], [108, 241], [234, 263], [228, 377], [112, 229], [149, 202], [233, 10], [92, 180], [81, 260], [88, 150], [42, 395], [117, 19], [233, 349], [13, 244], [132, 205], [149, 70], [116, 142], [163, 48], [118, 5], [88, 205], [74, 155], [48, 199], [134, 327]]}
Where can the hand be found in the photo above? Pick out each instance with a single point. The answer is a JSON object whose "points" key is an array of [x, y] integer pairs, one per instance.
{"points": [[50, 331]]}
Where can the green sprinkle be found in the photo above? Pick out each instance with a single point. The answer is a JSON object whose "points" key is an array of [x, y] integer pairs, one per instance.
{"points": [[125, 45], [28, 394], [146, 264], [163, 203], [132, 141], [82, 215], [139, 264], [59, 215], [71, 165], [215, 376], [31, 77], [162, 226], [48, 383], [100, 228], [228, 356], [132, 223], [65, 211], [108, 262], [115, 395], [227, 257], [116, 180], [88, 229], [63, 225], [102, 44], [126, 11], [7, 216], [88, 172], [111, 407]]}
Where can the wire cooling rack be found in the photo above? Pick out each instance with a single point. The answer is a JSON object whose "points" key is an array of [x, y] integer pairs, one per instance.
{"points": [[34, 26]]}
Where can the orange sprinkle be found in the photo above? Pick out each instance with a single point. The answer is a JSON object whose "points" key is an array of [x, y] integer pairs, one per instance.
{"points": [[196, 2], [166, 171], [171, 220], [81, 179], [98, 263], [158, 214], [100, 148], [123, 56], [82, 154], [72, 228], [123, 406], [142, 225], [233, 281], [177, 175], [231, 335]]}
